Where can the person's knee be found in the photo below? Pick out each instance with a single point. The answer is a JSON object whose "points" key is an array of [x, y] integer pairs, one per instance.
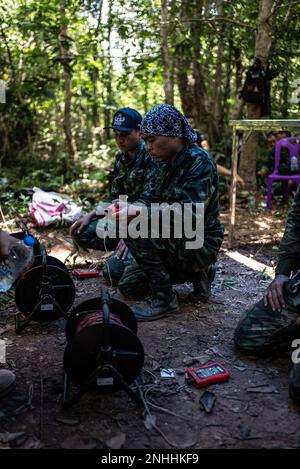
{"points": [[132, 288], [128, 289], [253, 334], [248, 344], [80, 238], [242, 338]]}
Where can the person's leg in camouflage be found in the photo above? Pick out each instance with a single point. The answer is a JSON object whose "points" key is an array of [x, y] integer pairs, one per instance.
{"points": [[263, 331], [202, 282], [159, 263], [127, 275], [89, 237], [134, 283], [223, 189], [294, 384], [151, 271]]}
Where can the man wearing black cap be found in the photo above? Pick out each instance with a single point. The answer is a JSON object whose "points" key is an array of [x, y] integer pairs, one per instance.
{"points": [[133, 176]]}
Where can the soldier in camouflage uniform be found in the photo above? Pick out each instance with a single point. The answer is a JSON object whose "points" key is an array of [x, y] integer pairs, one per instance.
{"points": [[273, 323], [187, 175], [133, 176]]}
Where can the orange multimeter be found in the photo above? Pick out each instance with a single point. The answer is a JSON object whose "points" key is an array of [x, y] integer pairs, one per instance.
{"points": [[206, 375], [86, 273]]}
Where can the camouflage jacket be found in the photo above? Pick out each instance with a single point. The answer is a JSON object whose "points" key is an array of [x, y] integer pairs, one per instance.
{"points": [[289, 248], [134, 178], [193, 178]]}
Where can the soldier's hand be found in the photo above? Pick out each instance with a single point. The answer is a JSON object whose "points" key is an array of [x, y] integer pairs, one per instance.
{"points": [[274, 293], [80, 224], [122, 250], [6, 243], [127, 211], [119, 204]]}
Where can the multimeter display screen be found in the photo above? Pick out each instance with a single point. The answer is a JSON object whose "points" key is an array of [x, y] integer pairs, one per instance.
{"points": [[211, 371]]}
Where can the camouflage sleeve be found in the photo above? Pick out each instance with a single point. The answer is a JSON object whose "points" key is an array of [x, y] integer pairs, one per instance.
{"points": [[289, 248], [200, 186], [113, 193], [114, 189], [201, 183], [148, 193]]}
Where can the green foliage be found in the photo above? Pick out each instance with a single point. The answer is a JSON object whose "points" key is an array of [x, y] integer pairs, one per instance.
{"points": [[114, 60]]}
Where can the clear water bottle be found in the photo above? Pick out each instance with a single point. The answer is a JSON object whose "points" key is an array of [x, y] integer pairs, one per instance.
{"points": [[251, 202], [19, 258], [294, 164]]}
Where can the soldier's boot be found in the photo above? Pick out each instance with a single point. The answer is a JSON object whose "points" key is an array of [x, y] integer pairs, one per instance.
{"points": [[202, 285], [7, 382], [294, 385], [160, 305], [163, 301]]}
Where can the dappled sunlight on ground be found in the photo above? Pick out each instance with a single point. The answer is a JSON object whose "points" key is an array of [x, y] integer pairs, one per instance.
{"points": [[251, 263]]}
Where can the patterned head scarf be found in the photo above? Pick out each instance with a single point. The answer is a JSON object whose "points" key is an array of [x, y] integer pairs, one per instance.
{"points": [[167, 121]]}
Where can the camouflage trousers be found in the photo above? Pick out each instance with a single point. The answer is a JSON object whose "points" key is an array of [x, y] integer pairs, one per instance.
{"points": [[262, 331], [224, 186], [152, 265], [89, 237]]}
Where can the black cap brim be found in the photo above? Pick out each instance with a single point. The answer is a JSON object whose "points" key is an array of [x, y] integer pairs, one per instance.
{"points": [[119, 127]]}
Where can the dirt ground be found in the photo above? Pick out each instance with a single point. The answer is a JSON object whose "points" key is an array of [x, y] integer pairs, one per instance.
{"points": [[252, 409]]}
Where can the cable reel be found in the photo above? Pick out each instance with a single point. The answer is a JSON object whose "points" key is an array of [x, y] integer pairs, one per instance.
{"points": [[45, 293], [103, 352]]}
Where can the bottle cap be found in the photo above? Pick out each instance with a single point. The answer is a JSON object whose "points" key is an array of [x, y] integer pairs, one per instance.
{"points": [[29, 240]]}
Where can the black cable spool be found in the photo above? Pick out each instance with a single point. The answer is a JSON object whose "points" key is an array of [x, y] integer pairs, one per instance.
{"points": [[103, 352], [53, 261], [46, 291]]}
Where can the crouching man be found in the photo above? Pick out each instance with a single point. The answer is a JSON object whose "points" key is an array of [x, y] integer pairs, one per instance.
{"points": [[187, 177], [272, 324]]}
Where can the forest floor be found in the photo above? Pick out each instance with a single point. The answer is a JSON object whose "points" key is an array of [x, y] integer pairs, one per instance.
{"points": [[252, 409]]}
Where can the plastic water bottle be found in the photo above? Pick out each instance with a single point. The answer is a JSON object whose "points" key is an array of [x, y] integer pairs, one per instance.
{"points": [[294, 164], [251, 202], [20, 256]]}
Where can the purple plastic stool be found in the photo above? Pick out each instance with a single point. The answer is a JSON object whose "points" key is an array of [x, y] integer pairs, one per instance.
{"points": [[294, 149]]}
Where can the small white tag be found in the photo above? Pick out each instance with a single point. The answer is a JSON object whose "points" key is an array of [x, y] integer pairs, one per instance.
{"points": [[109, 381], [48, 307], [2, 351], [167, 373]]}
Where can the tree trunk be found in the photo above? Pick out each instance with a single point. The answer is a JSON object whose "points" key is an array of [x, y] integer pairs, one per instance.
{"points": [[185, 86], [225, 105], [108, 76], [200, 91], [214, 127], [263, 46], [183, 65], [96, 136], [166, 55], [64, 56]]}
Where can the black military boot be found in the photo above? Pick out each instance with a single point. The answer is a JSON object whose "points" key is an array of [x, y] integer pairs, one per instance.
{"points": [[159, 305], [294, 386], [202, 285]]}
